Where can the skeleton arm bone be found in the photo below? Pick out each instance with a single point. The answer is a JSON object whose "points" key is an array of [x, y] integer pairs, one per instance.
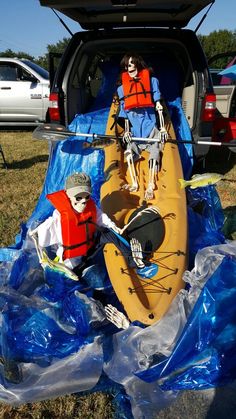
{"points": [[105, 221]]}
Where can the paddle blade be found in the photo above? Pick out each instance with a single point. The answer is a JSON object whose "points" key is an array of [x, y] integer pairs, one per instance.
{"points": [[51, 132]]}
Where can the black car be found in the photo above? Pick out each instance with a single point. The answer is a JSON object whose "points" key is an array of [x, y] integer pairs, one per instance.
{"points": [[154, 29]]}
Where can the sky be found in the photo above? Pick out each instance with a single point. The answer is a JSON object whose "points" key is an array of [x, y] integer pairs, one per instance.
{"points": [[27, 26]]}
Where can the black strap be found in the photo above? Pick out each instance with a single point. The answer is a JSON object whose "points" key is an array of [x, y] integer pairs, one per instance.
{"points": [[74, 246], [137, 80], [134, 94]]}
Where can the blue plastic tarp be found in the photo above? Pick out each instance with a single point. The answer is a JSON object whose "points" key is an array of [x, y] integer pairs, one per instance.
{"points": [[55, 338]]}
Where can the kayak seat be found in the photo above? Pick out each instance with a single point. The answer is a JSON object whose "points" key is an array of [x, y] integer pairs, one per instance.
{"points": [[148, 229]]}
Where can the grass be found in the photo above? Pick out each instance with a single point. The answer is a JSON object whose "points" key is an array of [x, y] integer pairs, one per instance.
{"points": [[20, 186], [222, 161], [94, 406], [22, 182]]}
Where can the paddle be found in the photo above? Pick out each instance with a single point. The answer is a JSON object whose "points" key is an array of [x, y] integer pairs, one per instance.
{"points": [[56, 132]]}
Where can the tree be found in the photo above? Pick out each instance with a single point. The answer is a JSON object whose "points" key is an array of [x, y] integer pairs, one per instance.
{"points": [[12, 54], [59, 47], [218, 42], [43, 60]]}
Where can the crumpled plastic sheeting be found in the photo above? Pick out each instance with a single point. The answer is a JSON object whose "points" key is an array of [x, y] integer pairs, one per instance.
{"points": [[79, 371], [135, 351], [229, 226], [135, 347], [205, 219], [204, 355], [147, 399], [191, 347], [47, 348]]}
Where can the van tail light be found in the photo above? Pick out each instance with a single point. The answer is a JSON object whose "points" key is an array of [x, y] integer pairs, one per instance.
{"points": [[209, 108], [53, 109]]}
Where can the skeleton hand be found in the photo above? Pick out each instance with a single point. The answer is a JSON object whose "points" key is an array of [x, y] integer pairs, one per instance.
{"points": [[127, 138], [137, 254], [116, 317], [33, 233], [159, 107], [164, 136]]}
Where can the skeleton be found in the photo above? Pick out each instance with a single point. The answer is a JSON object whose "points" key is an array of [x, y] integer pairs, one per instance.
{"points": [[133, 64]]}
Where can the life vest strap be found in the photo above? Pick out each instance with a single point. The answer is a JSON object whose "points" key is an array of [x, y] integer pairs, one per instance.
{"points": [[74, 246], [134, 94], [136, 81]]}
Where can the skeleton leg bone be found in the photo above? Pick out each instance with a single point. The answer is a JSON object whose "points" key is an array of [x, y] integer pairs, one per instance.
{"points": [[134, 183], [151, 181]]}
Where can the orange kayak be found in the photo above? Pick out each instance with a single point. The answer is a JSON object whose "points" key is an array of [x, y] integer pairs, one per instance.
{"points": [[163, 234]]}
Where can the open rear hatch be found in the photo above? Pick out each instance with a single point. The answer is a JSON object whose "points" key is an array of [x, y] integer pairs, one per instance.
{"points": [[94, 14]]}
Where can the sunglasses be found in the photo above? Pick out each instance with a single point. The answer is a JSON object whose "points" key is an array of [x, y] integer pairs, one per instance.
{"points": [[79, 198]]}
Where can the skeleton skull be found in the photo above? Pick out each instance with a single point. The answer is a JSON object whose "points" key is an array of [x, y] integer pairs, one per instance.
{"points": [[79, 201], [132, 69]]}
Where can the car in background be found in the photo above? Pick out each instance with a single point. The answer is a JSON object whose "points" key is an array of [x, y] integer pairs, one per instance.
{"points": [[24, 92], [153, 29], [224, 125]]}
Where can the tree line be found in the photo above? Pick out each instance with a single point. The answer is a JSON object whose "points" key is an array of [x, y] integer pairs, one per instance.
{"points": [[43, 60], [216, 42]]}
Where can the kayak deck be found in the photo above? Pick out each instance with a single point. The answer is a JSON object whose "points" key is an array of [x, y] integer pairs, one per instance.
{"points": [[147, 299]]}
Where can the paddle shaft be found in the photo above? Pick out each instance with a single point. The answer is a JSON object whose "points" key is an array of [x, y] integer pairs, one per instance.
{"points": [[64, 133]]}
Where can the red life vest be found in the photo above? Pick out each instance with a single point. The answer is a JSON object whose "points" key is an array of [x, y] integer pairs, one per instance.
{"points": [[77, 228], [137, 90]]}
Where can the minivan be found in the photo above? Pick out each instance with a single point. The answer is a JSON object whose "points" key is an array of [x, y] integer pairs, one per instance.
{"points": [[86, 77]]}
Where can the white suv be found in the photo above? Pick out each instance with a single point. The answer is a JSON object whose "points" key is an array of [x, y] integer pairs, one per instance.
{"points": [[24, 92]]}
